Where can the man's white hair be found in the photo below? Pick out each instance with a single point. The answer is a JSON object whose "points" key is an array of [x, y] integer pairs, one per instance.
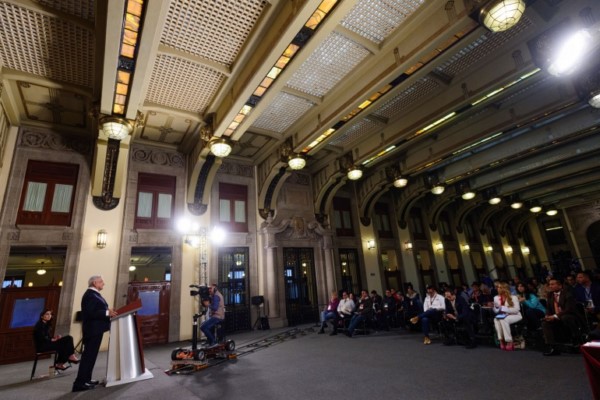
{"points": [[93, 279]]}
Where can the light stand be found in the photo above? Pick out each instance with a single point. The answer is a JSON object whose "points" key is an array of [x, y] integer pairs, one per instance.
{"points": [[258, 301]]}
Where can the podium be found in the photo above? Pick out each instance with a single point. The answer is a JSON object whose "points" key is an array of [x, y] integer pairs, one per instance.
{"points": [[125, 353]]}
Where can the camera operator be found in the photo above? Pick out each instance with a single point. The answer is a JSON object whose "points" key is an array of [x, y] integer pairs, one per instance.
{"points": [[216, 314]]}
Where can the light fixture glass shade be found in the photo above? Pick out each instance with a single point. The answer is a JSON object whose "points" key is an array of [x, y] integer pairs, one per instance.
{"points": [[594, 99], [355, 173], [516, 205], [571, 52], [132, 268], [489, 249], [535, 209], [501, 15], [408, 246], [438, 189], [371, 244], [495, 200], [468, 195], [439, 246], [466, 247], [116, 128], [41, 271], [552, 212], [400, 182], [525, 250], [508, 250], [296, 162], [101, 239], [220, 147]]}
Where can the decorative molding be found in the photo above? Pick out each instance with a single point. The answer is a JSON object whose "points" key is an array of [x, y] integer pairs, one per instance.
{"points": [[230, 168], [298, 178], [157, 157], [53, 141], [106, 201], [133, 237], [197, 208], [14, 236], [67, 236]]}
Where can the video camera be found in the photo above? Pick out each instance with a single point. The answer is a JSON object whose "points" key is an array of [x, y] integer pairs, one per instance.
{"points": [[202, 291]]}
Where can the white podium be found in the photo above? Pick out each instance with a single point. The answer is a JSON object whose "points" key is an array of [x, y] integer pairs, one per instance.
{"points": [[125, 353]]}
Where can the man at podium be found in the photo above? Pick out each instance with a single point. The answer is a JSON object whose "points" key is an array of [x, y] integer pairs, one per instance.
{"points": [[95, 315], [216, 314]]}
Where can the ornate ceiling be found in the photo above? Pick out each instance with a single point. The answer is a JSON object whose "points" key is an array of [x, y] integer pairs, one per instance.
{"points": [[510, 126]]}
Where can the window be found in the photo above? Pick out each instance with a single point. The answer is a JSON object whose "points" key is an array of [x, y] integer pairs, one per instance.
{"points": [[155, 197], [48, 193], [342, 217], [233, 204], [382, 221]]}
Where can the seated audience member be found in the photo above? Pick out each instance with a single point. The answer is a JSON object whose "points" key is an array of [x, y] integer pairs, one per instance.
{"points": [[345, 310], [364, 311], [434, 306], [533, 310], [45, 341], [570, 282], [508, 312], [377, 309], [330, 312], [388, 310], [412, 303], [562, 319], [588, 293], [458, 311]]}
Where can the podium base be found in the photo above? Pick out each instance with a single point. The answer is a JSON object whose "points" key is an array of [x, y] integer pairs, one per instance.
{"points": [[146, 375]]}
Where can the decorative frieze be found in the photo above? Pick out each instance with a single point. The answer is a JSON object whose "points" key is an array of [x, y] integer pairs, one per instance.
{"points": [[230, 168], [157, 157], [54, 141]]}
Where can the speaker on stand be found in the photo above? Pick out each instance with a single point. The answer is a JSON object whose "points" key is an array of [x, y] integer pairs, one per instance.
{"points": [[262, 322]]}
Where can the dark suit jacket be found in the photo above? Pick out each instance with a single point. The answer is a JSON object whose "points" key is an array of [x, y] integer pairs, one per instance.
{"points": [[566, 302], [463, 310], [581, 296], [95, 320]]}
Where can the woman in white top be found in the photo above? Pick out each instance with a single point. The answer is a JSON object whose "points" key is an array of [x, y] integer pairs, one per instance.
{"points": [[508, 311]]}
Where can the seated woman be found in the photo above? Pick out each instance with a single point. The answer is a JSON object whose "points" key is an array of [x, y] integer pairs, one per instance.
{"points": [[44, 341], [508, 311], [533, 310]]}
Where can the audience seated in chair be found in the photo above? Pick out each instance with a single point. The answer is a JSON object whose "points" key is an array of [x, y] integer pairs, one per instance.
{"points": [[562, 320], [330, 312], [588, 293], [364, 311], [508, 312], [45, 341], [458, 315], [345, 311], [434, 306], [388, 311], [533, 310]]}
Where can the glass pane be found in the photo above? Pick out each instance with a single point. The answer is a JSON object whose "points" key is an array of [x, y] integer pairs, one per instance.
{"points": [[144, 205], [346, 222], [61, 201], [224, 211], [337, 219], [34, 199], [164, 205], [240, 211]]}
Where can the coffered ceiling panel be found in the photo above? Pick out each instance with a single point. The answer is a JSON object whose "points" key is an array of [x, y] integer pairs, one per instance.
{"points": [[283, 112], [43, 45], [79, 8], [52, 105], [215, 29], [168, 129], [182, 84], [328, 65], [375, 19]]}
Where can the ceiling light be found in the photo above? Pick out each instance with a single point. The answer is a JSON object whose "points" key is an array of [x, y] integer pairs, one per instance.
{"points": [[516, 205], [296, 161], [594, 99], [495, 200], [501, 15], [116, 128], [220, 147], [468, 195], [535, 208], [438, 189], [400, 182], [41, 271], [570, 53], [132, 268], [552, 212], [355, 173]]}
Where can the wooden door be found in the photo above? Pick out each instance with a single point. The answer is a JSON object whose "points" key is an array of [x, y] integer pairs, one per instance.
{"points": [[20, 310], [153, 317]]}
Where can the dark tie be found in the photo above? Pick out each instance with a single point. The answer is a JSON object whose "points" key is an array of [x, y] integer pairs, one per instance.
{"points": [[556, 306]]}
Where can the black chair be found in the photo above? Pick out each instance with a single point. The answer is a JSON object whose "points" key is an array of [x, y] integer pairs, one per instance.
{"points": [[42, 354]]}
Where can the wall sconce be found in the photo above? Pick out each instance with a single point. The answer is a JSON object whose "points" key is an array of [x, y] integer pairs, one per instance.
{"points": [[408, 246], [371, 244], [525, 250], [508, 250], [439, 246], [466, 248], [101, 239], [400, 182], [116, 128], [489, 249], [296, 161]]}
